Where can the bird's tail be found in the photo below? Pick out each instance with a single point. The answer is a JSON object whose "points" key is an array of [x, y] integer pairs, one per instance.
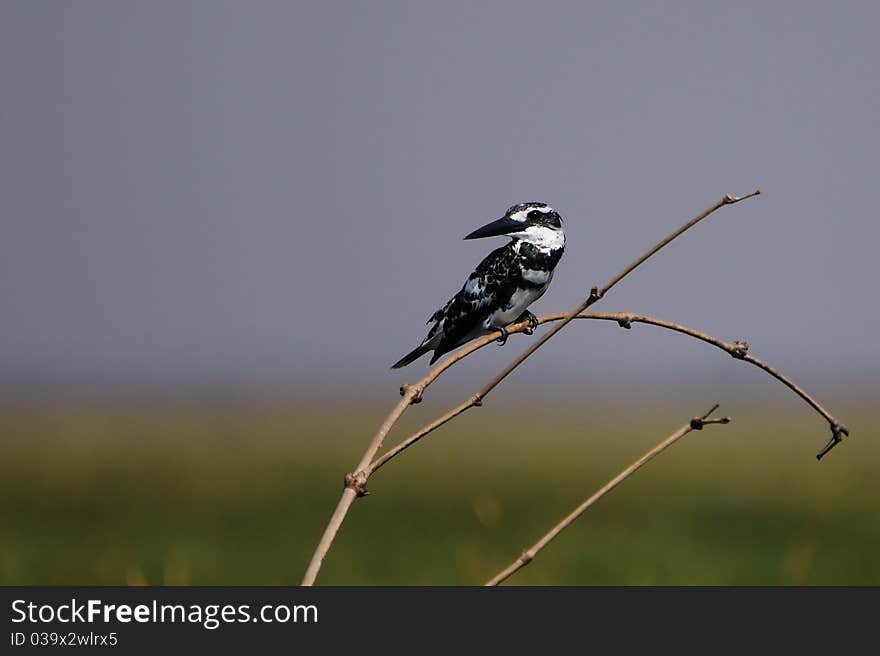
{"points": [[413, 355]]}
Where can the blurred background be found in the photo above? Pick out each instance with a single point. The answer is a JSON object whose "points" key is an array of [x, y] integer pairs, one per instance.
{"points": [[222, 222]]}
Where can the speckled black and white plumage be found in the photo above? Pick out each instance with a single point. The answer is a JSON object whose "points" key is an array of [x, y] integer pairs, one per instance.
{"points": [[503, 285]]}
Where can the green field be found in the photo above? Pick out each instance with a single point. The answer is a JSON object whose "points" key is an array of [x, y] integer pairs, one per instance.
{"points": [[238, 494]]}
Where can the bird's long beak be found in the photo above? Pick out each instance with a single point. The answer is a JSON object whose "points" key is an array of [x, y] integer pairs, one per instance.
{"points": [[500, 227]]}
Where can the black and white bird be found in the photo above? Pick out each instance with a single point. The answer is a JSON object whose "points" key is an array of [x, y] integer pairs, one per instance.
{"points": [[503, 285]]}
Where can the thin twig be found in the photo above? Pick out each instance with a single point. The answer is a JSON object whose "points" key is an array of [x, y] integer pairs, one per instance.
{"points": [[355, 483], [736, 349], [597, 293], [529, 554]]}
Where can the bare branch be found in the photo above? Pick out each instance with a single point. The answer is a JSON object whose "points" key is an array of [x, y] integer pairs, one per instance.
{"points": [[838, 430], [727, 200], [355, 483], [736, 349], [597, 293], [529, 554]]}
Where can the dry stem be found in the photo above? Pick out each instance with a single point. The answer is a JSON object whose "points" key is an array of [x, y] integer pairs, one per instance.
{"points": [[355, 483], [529, 554], [736, 349]]}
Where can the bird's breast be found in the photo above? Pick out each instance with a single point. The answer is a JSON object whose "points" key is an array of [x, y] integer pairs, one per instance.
{"points": [[538, 277], [520, 300]]}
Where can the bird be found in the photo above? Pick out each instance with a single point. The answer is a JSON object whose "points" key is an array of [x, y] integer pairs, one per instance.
{"points": [[502, 287]]}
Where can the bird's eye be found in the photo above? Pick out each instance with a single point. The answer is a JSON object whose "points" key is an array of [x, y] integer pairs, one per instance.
{"points": [[535, 214]]}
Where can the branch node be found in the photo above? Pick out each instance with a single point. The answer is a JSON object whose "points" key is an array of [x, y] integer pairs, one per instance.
{"points": [[357, 482], [477, 401], [417, 395], [739, 350], [730, 199], [837, 432], [697, 423], [596, 294], [526, 557], [625, 322]]}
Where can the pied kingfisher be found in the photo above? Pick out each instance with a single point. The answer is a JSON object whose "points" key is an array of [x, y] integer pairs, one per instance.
{"points": [[502, 287]]}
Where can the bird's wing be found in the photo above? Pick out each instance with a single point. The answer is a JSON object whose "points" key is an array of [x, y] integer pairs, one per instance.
{"points": [[485, 287]]}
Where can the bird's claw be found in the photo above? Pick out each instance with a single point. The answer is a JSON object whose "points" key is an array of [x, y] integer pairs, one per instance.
{"points": [[502, 339], [532, 319]]}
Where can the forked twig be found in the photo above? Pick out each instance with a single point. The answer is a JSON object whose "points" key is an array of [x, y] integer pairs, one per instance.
{"points": [[529, 554], [736, 349], [355, 483]]}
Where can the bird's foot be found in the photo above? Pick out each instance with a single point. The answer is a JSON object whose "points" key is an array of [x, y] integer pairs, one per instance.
{"points": [[531, 318], [502, 339]]}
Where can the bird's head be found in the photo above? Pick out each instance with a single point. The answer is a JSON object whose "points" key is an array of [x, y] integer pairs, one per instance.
{"points": [[537, 223]]}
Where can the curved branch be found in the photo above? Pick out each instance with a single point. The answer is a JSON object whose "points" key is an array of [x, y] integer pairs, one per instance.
{"points": [[529, 554], [355, 483], [738, 350]]}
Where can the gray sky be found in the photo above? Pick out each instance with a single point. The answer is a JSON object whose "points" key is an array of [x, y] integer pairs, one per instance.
{"points": [[246, 192]]}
